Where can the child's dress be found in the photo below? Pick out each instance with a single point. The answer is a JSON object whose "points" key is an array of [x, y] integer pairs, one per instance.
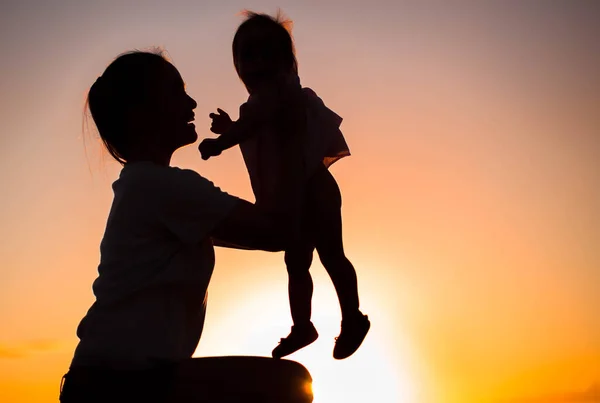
{"points": [[264, 154]]}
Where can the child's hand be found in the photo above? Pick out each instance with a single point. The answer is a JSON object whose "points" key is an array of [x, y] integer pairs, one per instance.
{"points": [[221, 122], [209, 148]]}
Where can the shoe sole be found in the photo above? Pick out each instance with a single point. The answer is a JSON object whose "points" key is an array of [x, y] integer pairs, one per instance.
{"points": [[343, 357], [278, 356]]}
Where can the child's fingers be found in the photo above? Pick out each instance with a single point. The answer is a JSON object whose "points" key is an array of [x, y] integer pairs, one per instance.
{"points": [[222, 112]]}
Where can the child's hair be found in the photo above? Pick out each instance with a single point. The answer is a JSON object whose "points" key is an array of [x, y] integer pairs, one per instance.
{"points": [[123, 87], [280, 44]]}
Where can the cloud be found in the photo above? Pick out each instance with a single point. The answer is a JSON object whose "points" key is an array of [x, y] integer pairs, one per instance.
{"points": [[8, 352], [28, 348]]}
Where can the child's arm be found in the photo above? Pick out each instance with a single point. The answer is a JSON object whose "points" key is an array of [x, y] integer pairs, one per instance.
{"points": [[252, 115], [232, 133], [238, 132]]}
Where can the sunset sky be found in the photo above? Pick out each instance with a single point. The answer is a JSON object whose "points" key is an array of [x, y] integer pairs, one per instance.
{"points": [[471, 199]]}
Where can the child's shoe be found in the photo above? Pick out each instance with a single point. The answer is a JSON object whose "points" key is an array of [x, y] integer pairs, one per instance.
{"points": [[300, 337], [351, 336]]}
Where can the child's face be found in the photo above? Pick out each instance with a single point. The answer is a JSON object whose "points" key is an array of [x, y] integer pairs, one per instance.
{"points": [[171, 110], [256, 62]]}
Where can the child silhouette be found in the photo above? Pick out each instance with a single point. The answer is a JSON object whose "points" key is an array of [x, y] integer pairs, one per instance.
{"points": [[288, 139]]}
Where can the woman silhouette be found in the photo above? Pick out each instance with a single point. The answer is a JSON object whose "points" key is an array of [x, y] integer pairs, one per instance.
{"points": [[157, 257]]}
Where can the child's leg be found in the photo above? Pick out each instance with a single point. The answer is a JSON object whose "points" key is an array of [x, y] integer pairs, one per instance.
{"points": [[298, 259], [325, 209], [300, 286]]}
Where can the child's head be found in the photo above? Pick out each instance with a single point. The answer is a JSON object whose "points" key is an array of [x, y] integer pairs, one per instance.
{"points": [[140, 107], [262, 49]]}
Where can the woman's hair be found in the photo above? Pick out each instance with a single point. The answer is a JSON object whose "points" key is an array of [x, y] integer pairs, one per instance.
{"points": [[278, 47], [123, 87]]}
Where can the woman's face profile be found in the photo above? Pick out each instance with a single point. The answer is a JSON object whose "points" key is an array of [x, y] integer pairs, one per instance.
{"points": [[171, 109]]}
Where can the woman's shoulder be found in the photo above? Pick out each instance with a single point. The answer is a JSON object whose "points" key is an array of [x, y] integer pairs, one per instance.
{"points": [[176, 185], [309, 92], [311, 97], [176, 176], [146, 170], [148, 174]]}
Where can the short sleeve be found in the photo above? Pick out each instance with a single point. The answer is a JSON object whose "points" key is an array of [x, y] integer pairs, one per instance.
{"points": [[192, 206]]}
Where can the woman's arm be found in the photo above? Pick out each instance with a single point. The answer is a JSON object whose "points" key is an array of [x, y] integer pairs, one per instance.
{"points": [[247, 227]]}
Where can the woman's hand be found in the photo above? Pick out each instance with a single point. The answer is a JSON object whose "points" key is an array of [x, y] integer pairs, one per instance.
{"points": [[209, 148], [221, 122]]}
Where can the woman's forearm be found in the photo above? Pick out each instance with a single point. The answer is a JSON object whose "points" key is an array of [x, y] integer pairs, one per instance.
{"points": [[247, 227]]}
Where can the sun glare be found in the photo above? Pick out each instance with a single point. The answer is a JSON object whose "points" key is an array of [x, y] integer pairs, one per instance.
{"points": [[378, 372], [372, 374]]}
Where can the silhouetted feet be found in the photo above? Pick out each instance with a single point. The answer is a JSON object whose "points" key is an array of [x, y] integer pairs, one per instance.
{"points": [[351, 337], [300, 337]]}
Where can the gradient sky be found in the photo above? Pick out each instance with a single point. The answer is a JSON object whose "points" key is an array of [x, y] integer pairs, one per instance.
{"points": [[471, 200]]}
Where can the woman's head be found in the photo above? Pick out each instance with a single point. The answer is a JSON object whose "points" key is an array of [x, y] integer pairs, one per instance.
{"points": [[140, 107], [262, 49]]}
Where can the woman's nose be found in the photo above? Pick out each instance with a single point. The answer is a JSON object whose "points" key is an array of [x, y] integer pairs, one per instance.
{"points": [[193, 102]]}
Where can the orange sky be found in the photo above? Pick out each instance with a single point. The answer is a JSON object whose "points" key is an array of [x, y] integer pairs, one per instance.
{"points": [[470, 202]]}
